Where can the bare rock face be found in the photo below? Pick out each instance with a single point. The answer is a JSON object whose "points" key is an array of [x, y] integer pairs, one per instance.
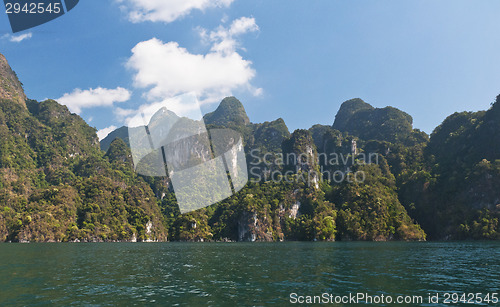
{"points": [[10, 86], [301, 156]]}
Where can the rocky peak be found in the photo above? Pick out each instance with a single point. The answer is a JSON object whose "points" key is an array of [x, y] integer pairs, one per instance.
{"points": [[162, 115], [230, 112], [10, 86], [360, 119], [347, 110]]}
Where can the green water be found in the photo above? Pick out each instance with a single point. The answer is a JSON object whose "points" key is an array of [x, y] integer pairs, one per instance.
{"points": [[236, 274]]}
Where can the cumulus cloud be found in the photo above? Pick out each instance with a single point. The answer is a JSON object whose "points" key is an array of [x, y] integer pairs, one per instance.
{"points": [[18, 38], [224, 40], [167, 69], [104, 132], [79, 99], [166, 10]]}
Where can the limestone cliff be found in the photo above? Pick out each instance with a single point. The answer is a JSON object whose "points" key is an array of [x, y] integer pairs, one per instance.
{"points": [[10, 86]]}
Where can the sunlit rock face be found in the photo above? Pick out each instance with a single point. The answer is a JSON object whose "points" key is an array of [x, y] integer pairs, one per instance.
{"points": [[10, 86]]}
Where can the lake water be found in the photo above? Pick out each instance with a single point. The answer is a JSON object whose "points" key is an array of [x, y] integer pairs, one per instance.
{"points": [[239, 274]]}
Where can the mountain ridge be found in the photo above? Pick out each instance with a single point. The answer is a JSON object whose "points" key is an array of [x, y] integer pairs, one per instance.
{"points": [[58, 185], [10, 86], [230, 112]]}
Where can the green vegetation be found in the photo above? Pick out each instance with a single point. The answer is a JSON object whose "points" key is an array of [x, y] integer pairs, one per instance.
{"points": [[366, 122], [370, 210], [459, 196], [57, 183], [121, 133], [229, 113], [10, 86]]}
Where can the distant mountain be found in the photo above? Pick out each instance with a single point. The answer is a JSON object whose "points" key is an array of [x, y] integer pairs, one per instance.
{"points": [[347, 110], [163, 118], [121, 133], [259, 138], [386, 124], [229, 113]]}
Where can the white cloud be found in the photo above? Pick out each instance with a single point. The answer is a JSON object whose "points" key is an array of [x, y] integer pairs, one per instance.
{"points": [[18, 38], [224, 40], [123, 113], [166, 10], [79, 99], [104, 132], [167, 69], [243, 25]]}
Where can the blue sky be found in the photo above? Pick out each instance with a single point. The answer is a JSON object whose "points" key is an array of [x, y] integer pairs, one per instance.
{"points": [[294, 59]]}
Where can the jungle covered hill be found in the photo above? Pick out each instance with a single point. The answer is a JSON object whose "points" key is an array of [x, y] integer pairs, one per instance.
{"points": [[58, 183]]}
